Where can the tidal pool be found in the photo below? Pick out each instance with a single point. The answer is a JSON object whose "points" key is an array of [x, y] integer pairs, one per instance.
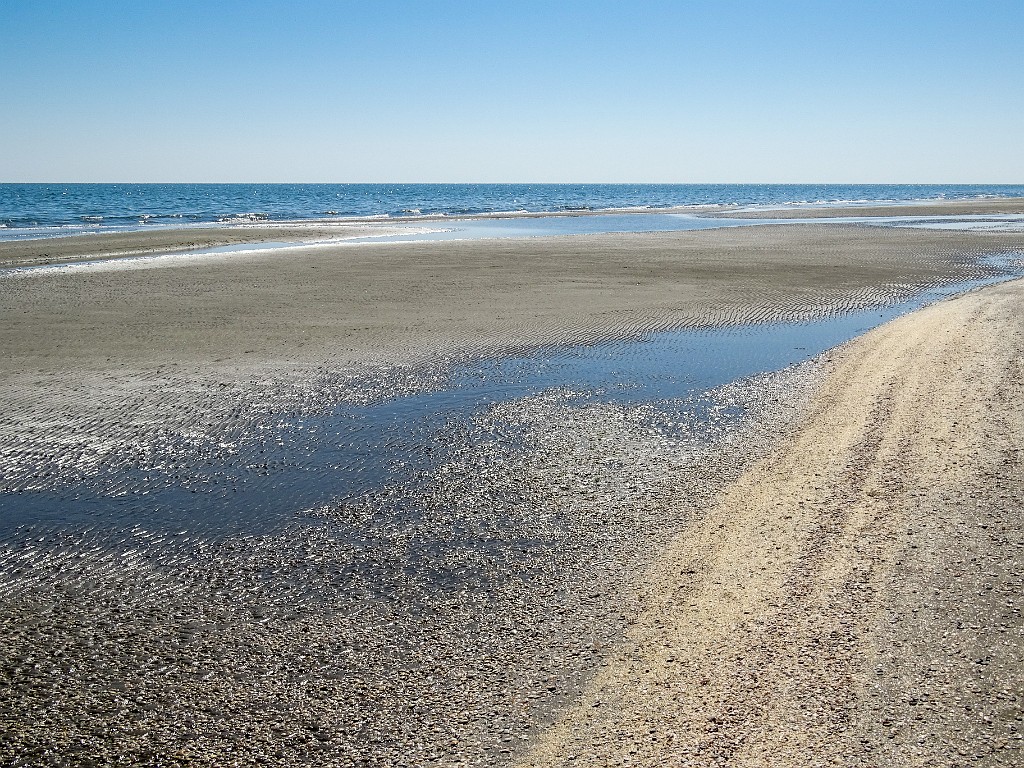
{"points": [[260, 479]]}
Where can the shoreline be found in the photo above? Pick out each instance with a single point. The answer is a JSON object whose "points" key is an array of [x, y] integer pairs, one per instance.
{"points": [[99, 245]]}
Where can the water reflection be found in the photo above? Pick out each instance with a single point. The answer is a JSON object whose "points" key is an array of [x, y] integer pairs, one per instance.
{"points": [[257, 481]]}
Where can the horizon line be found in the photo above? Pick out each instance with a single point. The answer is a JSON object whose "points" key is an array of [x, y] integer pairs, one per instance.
{"points": [[564, 183]]}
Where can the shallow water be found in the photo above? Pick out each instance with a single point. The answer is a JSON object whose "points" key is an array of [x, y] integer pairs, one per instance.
{"points": [[508, 228], [261, 480], [549, 226]]}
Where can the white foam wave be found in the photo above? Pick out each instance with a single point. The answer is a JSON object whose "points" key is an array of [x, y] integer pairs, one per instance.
{"points": [[243, 217]]}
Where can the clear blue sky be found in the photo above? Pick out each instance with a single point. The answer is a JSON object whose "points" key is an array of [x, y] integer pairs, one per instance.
{"points": [[717, 91]]}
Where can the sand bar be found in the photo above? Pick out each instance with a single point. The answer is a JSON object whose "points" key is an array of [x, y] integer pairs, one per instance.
{"points": [[416, 300], [113, 245], [989, 206]]}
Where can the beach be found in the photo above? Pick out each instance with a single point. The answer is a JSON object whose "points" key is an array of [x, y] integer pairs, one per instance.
{"points": [[348, 303], [825, 573], [854, 598]]}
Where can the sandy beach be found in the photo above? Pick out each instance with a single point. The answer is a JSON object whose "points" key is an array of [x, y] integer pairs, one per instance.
{"points": [[854, 598], [113, 245], [830, 577], [435, 385], [404, 301]]}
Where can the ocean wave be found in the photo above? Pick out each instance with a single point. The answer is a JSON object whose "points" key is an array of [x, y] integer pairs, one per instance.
{"points": [[235, 218], [116, 205]]}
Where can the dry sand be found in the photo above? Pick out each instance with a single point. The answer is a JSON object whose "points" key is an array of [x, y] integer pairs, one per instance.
{"points": [[855, 598]]}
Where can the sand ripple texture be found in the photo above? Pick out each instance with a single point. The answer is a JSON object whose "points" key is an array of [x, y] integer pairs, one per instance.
{"points": [[424, 301], [449, 613], [442, 622]]}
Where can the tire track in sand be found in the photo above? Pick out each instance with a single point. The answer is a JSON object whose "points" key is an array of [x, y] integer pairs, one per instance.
{"points": [[852, 599]]}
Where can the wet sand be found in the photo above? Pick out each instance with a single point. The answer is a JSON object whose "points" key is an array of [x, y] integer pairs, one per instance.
{"points": [[408, 301], [114, 245], [992, 207], [107, 245], [460, 636]]}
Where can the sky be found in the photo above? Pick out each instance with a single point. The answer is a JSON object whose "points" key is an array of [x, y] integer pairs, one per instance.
{"points": [[719, 91]]}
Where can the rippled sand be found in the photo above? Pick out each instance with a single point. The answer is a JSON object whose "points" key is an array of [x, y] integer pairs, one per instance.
{"points": [[453, 630], [415, 301]]}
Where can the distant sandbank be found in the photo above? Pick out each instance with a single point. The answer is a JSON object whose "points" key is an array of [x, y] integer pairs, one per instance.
{"points": [[98, 244], [987, 206]]}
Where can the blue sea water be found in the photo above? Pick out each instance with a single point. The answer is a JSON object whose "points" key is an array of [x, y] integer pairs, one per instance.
{"points": [[111, 206]]}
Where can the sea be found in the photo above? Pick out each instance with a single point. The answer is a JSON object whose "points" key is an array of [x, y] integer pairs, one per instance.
{"points": [[33, 210]]}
